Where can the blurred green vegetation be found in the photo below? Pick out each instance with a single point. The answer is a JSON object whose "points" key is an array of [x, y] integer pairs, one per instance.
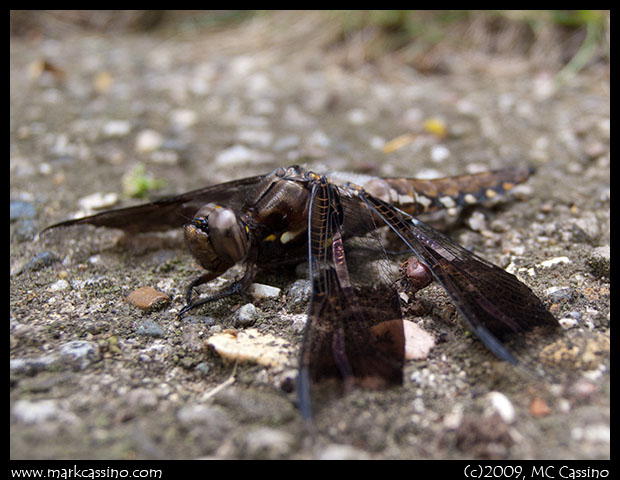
{"points": [[137, 183], [420, 31]]}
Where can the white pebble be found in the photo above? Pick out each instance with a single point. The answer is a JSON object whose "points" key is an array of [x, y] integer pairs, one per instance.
{"points": [[499, 403], [592, 433], [80, 352], [554, 261], [439, 153], [477, 221], [183, 118], [418, 342], [59, 286], [148, 140], [336, 451], [116, 128], [259, 291], [41, 411], [357, 116], [568, 323], [376, 142], [97, 201], [269, 443]]}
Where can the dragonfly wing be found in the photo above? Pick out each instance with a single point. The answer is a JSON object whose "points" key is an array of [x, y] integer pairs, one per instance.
{"points": [[493, 302]]}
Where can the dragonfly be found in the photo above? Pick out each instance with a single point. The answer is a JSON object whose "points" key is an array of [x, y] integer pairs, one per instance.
{"points": [[354, 329]]}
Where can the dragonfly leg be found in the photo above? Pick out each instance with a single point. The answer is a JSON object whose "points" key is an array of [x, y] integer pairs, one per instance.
{"points": [[234, 288]]}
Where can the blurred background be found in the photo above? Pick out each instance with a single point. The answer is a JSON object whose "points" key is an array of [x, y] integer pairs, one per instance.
{"points": [[378, 91], [555, 39]]}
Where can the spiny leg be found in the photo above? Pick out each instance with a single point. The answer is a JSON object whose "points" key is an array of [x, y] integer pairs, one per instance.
{"points": [[234, 288]]}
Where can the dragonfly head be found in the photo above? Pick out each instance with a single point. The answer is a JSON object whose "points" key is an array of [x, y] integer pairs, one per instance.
{"points": [[217, 237]]}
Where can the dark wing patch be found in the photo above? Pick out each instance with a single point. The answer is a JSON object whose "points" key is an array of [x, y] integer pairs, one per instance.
{"points": [[171, 212], [358, 340]]}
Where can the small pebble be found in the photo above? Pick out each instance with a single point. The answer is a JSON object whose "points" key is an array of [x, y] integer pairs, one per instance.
{"points": [[559, 294], [260, 291], [80, 353], [439, 153], [418, 342], [342, 452], [59, 286], [33, 365], [499, 403], [599, 261], [148, 141], [298, 295], [539, 408], [583, 389], [567, 323], [21, 210], [600, 433], [245, 315], [357, 116], [149, 328], [98, 201], [116, 128], [268, 443], [183, 118], [477, 221], [552, 262], [147, 298], [42, 260], [27, 411]]}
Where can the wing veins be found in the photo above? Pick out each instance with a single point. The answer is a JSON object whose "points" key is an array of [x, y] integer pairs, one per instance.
{"points": [[470, 281]]}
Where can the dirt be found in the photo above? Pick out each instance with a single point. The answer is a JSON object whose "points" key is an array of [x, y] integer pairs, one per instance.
{"points": [[94, 377]]}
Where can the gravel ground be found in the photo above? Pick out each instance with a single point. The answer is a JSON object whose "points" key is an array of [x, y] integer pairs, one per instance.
{"points": [[94, 377]]}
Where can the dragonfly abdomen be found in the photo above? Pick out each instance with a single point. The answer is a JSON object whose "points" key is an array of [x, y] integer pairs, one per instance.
{"points": [[417, 196]]}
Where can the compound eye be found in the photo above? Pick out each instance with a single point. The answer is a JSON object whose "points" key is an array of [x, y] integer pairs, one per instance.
{"points": [[201, 218], [217, 238]]}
